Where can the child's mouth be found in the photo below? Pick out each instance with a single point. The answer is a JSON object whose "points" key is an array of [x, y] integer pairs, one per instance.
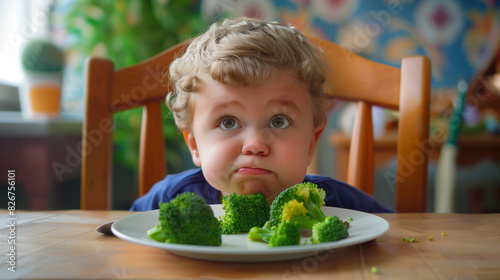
{"points": [[252, 171]]}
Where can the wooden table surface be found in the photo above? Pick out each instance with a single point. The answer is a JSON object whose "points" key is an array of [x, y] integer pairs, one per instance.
{"points": [[64, 245]]}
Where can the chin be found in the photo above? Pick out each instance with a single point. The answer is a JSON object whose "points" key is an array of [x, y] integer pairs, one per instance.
{"points": [[270, 199]]}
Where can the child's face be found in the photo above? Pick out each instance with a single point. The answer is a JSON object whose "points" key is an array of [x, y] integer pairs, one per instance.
{"points": [[253, 139]]}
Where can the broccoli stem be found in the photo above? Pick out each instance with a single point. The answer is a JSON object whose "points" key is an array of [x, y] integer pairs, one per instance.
{"points": [[314, 212], [304, 221], [157, 233], [261, 233]]}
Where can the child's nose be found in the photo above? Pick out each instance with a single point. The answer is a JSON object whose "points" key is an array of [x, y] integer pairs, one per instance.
{"points": [[257, 143]]}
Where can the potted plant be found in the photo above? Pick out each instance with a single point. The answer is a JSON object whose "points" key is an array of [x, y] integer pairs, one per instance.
{"points": [[40, 92]]}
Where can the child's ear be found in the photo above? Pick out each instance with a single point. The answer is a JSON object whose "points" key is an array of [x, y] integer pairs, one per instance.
{"points": [[317, 134], [319, 131], [193, 147]]}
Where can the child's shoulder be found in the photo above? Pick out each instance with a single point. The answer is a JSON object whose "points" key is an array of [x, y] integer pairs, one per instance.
{"points": [[189, 176], [341, 194], [325, 181], [335, 190], [191, 180]]}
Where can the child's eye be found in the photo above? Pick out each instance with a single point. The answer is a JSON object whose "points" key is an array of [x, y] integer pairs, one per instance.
{"points": [[228, 123], [280, 122]]}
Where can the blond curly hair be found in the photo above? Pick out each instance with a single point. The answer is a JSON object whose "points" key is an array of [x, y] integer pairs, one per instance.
{"points": [[246, 52]]}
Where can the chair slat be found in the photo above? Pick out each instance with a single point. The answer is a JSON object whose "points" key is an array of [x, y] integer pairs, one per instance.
{"points": [[144, 82], [97, 138], [360, 170], [152, 163], [413, 135], [353, 77]]}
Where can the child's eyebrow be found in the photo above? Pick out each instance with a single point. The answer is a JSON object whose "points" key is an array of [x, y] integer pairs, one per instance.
{"points": [[223, 104], [286, 103], [277, 105]]}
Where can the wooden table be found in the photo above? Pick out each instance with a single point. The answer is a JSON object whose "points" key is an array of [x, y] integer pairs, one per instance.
{"points": [[64, 245]]}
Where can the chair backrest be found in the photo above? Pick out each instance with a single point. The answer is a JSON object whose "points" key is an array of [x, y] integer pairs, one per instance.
{"points": [[354, 78], [108, 92], [405, 89]]}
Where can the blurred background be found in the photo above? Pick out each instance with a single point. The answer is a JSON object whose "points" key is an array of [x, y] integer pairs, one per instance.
{"points": [[460, 37]]}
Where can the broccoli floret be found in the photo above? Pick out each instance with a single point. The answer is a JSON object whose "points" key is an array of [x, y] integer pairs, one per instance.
{"points": [[294, 210], [242, 212], [331, 229], [187, 219], [287, 233], [301, 202]]}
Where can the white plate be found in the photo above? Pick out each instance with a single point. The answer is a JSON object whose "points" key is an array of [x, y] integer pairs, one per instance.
{"points": [[237, 247]]}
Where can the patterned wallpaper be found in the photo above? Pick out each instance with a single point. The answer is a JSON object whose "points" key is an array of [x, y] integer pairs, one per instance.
{"points": [[454, 34]]}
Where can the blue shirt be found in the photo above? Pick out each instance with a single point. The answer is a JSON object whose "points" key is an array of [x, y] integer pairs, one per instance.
{"points": [[338, 194]]}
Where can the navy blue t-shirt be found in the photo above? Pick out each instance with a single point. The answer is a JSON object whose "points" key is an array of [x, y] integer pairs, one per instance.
{"points": [[338, 194]]}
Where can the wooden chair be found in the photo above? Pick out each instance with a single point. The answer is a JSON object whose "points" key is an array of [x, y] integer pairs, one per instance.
{"points": [[108, 92], [354, 78], [407, 90]]}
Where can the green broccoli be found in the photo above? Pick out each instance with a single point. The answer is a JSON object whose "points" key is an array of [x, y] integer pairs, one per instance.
{"points": [[331, 229], [157, 233], [242, 212], [187, 219], [287, 233], [301, 203], [261, 233]]}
